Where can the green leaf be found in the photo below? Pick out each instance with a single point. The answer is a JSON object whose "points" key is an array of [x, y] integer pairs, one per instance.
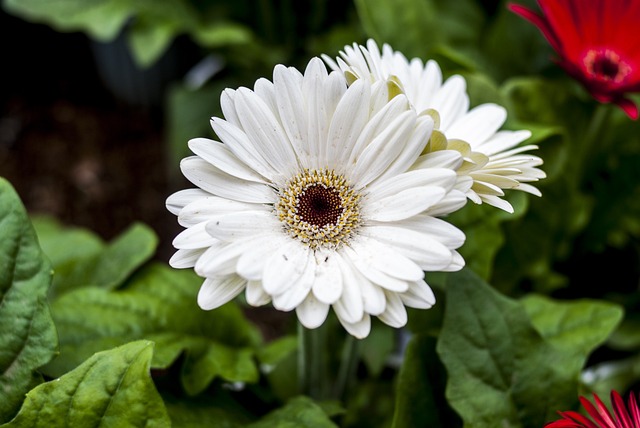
{"points": [[64, 246], [575, 327], [419, 383], [149, 39], [123, 256], [159, 304], [300, 412], [101, 19], [501, 371], [216, 409], [221, 34], [419, 28], [277, 350], [80, 258], [28, 337], [279, 363], [111, 389]]}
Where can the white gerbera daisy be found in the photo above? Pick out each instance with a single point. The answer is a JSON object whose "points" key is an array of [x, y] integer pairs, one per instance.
{"points": [[309, 202], [492, 159]]}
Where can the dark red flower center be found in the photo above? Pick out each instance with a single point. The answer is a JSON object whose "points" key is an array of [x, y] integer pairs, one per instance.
{"points": [[606, 65], [320, 205]]}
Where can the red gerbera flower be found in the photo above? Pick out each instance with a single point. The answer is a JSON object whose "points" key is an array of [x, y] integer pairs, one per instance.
{"points": [[624, 417], [597, 43]]}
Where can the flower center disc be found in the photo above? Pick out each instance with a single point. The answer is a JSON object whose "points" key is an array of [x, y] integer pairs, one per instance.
{"points": [[606, 65], [319, 208], [319, 205]]}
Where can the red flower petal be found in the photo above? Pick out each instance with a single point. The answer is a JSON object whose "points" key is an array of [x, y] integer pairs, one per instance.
{"points": [[630, 108], [624, 421], [596, 43], [600, 415]]}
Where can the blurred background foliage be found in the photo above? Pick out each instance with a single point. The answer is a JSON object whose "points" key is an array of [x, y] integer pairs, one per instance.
{"points": [[101, 96]]}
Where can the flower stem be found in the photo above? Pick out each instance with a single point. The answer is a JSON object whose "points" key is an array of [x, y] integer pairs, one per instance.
{"points": [[591, 144], [348, 365], [312, 361]]}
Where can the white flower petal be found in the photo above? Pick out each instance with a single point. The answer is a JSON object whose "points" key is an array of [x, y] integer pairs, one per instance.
{"points": [[292, 297], [285, 266], [242, 224], [267, 92], [451, 101], [404, 204], [350, 305], [381, 120], [217, 291], [383, 150], [529, 189], [439, 177], [452, 202], [424, 250], [395, 314], [204, 208], [312, 312], [176, 202], [313, 89], [451, 159], [373, 298], [238, 142], [195, 237], [457, 262], [412, 150], [498, 203], [255, 294], [218, 155], [438, 229], [419, 296], [186, 258], [504, 140], [265, 132], [350, 117], [221, 258], [327, 287], [478, 124], [252, 261], [386, 259], [293, 112], [359, 329], [208, 177]]}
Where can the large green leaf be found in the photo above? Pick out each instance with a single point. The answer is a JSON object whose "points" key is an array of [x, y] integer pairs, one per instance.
{"points": [[501, 371], [80, 258], [111, 389], [158, 304], [28, 337], [576, 326], [300, 412]]}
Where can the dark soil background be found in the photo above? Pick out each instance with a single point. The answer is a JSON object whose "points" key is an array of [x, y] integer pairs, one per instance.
{"points": [[73, 149]]}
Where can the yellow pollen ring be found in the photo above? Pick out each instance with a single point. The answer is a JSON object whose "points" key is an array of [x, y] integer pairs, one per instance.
{"points": [[319, 208]]}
